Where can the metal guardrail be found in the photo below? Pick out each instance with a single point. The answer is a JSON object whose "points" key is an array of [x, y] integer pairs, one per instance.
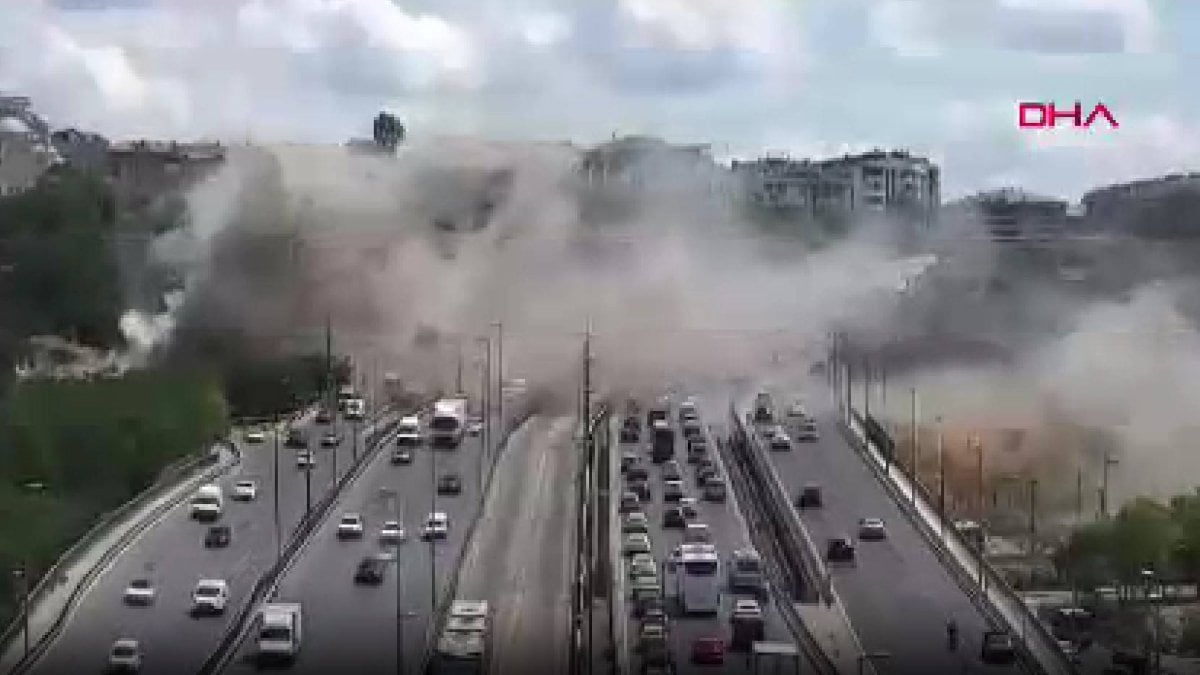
{"points": [[776, 536], [1047, 656], [443, 606], [586, 557], [379, 429], [168, 479]]}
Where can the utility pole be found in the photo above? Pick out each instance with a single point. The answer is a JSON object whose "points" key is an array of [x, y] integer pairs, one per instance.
{"points": [[485, 404], [587, 374], [1109, 461], [275, 486], [914, 473], [866, 387], [329, 388], [458, 388], [1032, 521], [500, 373], [941, 476]]}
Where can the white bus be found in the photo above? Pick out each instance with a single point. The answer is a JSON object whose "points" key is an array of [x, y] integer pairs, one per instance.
{"points": [[698, 579]]}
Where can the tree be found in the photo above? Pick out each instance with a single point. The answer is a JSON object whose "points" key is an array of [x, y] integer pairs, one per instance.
{"points": [[388, 131], [1142, 535]]}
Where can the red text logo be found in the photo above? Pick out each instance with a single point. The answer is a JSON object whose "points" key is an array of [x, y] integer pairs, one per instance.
{"points": [[1046, 115]]}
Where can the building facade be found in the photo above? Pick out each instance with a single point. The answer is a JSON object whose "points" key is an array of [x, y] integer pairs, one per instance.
{"points": [[144, 171], [641, 163], [1165, 207], [81, 150], [26, 153], [1011, 216]]}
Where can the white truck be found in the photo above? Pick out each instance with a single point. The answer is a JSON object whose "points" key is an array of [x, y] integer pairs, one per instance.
{"points": [[279, 632], [355, 409], [449, 422], [208, 502]]}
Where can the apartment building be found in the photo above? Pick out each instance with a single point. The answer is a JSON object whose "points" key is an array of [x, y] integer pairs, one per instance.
{"points": [[1166, 207], [648, 163], [144, 171]]}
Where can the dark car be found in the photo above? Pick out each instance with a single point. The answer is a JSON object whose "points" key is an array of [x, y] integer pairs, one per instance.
{"points": [[672, 491], [637, 472], [370, 571], [647, 604], [641, 488], [324, 416], [997, 647], [703, 474], [810, 497], [691, 430], [708, 651], [671, 471], [629, 460], [696, 452], [218, 536], [449, 484], [630, 434], [330, 440], [295, 439], [840, 550], [673, 518]]}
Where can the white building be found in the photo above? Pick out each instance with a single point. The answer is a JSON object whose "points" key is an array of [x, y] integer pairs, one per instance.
{"points": [[24, 157]]}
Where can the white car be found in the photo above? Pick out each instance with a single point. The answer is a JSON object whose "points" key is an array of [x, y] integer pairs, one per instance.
{"points": [[210, 596], [350, 526], [797, 411], [636, 542], [871, 529], [304, 459], [245, 490], [392, 532], [125, 656], [256, 436], [474, 428], [780, 441], [642, 565], [807, 432], [745, 607], [139, 592], [437, 526]]}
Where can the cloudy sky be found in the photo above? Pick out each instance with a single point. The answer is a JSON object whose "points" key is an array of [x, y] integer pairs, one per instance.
{"points": [[803, 77]]}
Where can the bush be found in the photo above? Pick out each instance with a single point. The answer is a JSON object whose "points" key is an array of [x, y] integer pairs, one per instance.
{"points": [[93, 445]]}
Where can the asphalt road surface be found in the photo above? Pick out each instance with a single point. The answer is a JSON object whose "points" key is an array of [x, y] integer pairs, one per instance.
{"points": [[520, 558], [897, 595], [728, 530], [352, 628], [172, 555]]}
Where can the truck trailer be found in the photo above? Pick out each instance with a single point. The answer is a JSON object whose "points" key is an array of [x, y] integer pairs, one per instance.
{"points": [[449, 422]]}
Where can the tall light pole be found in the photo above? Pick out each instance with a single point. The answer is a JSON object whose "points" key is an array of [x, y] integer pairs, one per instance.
{"points": [[275, 486], [1109, 461], [941, 450], [499, 325], [486, 407], [915, 472], [21, 574]]}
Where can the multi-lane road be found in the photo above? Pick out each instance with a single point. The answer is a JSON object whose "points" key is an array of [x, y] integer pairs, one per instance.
{"points": [[172, 555], [728, 531], [898, 595], [520, 559], [353, 628]]}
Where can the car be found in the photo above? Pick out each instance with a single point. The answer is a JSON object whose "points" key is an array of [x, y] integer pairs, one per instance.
{"points": [[672, 491], [644, 576], [139, 592], [324, 416], [673, 518], [690, 507], [305, 460], [839, 550], [871, 529], [637, 472], [437, 526], [997, 647], [210, 597], [449, 484], [696, 452], [714, 489], [641, 488], [217, 536], [708, 651], [697, 533], [671, 470], [629, 459], [635, 522], [392, 532], [330, 440], [402, 456], [245, 490], [656, 615], [651, 635], [370, 571], [704, 473], [810, 496], [747, 608], [796, 411], [125, 656], [692, 430], [806, 432], [768, 431], [256, 436], [350, 526], [474, 428], [295, 439], [629, 502], [630, 434], [780, 441], [635, 542], [647, 605]]}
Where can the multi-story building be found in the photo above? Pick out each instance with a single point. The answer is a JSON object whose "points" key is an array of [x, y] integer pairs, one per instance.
{"points": [[1010, 216], [1165, 206], [24, 156], [81, 150], [646, 163], [145, 171]]}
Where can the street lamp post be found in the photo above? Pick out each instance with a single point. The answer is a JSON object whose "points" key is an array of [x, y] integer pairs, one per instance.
{"points": [[1109, 461], [499, 326], [21, 575], [275, 486], [870, 656], [941, 450], [1155, 658]]}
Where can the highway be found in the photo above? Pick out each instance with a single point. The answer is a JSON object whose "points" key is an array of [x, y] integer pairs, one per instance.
{"points": [[520, 559], [353, 628], [171, 553], [728, 530], [898, 595]]}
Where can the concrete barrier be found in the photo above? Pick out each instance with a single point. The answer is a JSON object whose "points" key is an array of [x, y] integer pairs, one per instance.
{"points": [[979, 580]]}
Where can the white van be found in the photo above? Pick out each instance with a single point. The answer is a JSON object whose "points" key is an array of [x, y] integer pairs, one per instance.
{"points": [[208, 502]]}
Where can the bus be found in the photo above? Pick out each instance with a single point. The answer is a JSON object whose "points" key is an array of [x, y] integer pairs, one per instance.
{"points": [[463, 646], [698, 579], [664, 442]]}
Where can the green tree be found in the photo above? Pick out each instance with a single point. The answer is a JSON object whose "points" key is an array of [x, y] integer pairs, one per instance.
{"points": [[1142, 534]]}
